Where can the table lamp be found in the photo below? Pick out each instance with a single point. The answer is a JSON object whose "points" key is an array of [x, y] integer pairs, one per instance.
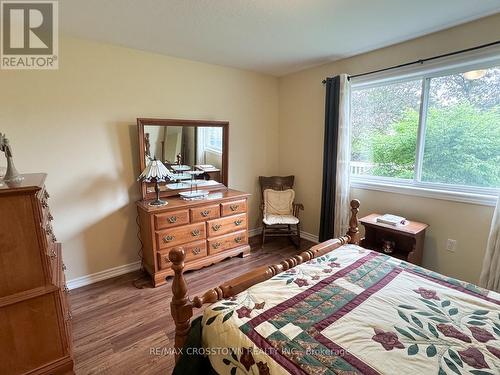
{"points": [[155, 172], [11, 175]]}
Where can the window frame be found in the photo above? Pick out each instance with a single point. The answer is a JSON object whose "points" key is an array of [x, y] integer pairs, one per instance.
{"points": [[424, 73]]}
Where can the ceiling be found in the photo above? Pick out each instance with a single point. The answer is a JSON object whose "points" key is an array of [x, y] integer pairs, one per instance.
{"points": [[270, 36]]}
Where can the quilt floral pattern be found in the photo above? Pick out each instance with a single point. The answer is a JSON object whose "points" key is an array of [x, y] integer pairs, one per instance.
{"points": [[354, 311]]}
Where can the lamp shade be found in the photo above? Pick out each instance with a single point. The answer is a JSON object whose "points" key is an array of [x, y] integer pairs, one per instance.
{"points": [[154, 171]]}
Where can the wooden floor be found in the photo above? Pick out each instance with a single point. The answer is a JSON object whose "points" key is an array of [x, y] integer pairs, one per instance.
{"points": [[117, 323]]}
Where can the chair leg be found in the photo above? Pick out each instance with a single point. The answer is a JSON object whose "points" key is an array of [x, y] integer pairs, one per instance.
{"points": [[290, 235], [298, 235], [263, 235]]}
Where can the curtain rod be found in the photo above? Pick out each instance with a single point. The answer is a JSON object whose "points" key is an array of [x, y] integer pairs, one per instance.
{"points": [[421, 61]]}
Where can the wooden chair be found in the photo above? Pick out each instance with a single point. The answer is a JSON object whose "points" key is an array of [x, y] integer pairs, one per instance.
{"points": [[274, 225]]}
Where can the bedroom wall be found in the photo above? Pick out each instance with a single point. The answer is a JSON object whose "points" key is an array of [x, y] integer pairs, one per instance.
{"points": [[301, 119], [78, 125]]}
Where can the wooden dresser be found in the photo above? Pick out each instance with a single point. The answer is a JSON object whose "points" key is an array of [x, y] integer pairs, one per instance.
{"points": [[209, 230], [34, 314]]}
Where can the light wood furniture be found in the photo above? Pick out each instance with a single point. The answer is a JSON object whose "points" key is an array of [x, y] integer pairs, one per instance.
{"points": [[409, 238], [182, 307], [35, 328], [290, 230], [209, 230]]}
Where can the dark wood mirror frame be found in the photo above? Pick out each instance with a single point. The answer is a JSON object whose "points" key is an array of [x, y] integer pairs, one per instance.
{"points": [[141, 122]]}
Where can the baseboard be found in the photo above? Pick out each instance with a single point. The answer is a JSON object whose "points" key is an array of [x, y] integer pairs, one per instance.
{"points": [[309, 236], [103, 275], [304, 235], [126, 268], [254, 232]]}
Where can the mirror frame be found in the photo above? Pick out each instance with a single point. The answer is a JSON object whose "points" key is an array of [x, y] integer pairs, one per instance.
{"points": [[141, 122]]}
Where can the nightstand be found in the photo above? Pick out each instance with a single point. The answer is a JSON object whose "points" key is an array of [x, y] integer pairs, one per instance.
{"points": [[408, 238]]}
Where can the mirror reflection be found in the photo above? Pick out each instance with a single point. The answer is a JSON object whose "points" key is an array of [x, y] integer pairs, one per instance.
{"points": [[189, 152]]}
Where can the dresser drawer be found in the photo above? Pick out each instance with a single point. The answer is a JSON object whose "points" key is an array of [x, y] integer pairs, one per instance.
{"points": [[179, 235], [50, 237], [171, 219], [204, 213], [226, 225], [193, 250], [163, 261], [56, 265], [229, 241], [46, 217], [234, 207]]}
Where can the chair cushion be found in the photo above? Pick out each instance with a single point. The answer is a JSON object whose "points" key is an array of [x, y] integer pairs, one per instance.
{"points": [[278, 202], [271, 219]]}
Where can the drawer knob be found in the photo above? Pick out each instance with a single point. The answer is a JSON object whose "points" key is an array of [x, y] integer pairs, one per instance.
{"points": [[69, 317], [50, 217], [205, 213], [172, 219], [196, 250], [216, 245], [48, 230], [168, 238], [64, 267], [238, 239], [54, 239], [45, 204], [53, 255], [195, 233], [238, 222], [66, 289], [46, 194], [216, 227], [234, 207]]}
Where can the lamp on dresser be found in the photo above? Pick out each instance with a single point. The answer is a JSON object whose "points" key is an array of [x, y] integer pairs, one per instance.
{"points": [[155, 172], [11, 175]]}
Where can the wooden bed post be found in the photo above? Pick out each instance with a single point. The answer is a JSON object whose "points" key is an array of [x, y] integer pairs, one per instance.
{"points": [[180, 307], [353, 231]]}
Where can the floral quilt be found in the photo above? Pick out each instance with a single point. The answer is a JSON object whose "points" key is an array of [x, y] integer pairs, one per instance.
{"points": [[355, 311]]}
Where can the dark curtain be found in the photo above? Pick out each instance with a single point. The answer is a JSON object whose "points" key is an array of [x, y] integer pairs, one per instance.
{"points": [[330, 158]]}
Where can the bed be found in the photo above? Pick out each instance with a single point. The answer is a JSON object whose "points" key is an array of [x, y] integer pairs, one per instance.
{"points": [[341, 309]]}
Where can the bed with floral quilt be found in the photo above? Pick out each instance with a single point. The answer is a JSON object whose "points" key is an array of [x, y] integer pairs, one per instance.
{"points": [[355, 311]]}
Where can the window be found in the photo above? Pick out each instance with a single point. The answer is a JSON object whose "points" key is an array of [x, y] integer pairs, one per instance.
{"points": [[462, 133], [439, 130], [380, 114], [213, 138]]}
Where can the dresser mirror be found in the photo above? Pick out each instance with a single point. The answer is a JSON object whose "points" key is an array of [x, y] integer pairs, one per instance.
{"points": [[184, 146]]}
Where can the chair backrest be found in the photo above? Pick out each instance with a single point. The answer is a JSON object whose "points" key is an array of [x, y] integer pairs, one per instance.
{"points": [[275, 183]]}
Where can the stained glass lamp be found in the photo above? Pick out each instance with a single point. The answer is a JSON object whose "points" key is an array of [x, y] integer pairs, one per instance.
{"points": [[155, 172]]}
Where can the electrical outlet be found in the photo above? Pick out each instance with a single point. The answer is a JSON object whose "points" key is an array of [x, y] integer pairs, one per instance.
{"points": [[451, 245]]}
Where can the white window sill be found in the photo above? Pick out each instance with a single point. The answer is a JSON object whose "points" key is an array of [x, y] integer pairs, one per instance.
{"points": [[455, 196]]}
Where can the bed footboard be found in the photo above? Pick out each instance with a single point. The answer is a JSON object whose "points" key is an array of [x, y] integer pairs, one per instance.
{"points": [[182, 306]]}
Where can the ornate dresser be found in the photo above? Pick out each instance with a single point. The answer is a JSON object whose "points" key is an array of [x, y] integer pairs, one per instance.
{"points": [[209, 230], [34, 315]]}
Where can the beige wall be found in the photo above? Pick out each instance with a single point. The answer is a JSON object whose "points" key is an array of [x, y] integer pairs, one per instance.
{"points": [[301, 146], [78, 125]]}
